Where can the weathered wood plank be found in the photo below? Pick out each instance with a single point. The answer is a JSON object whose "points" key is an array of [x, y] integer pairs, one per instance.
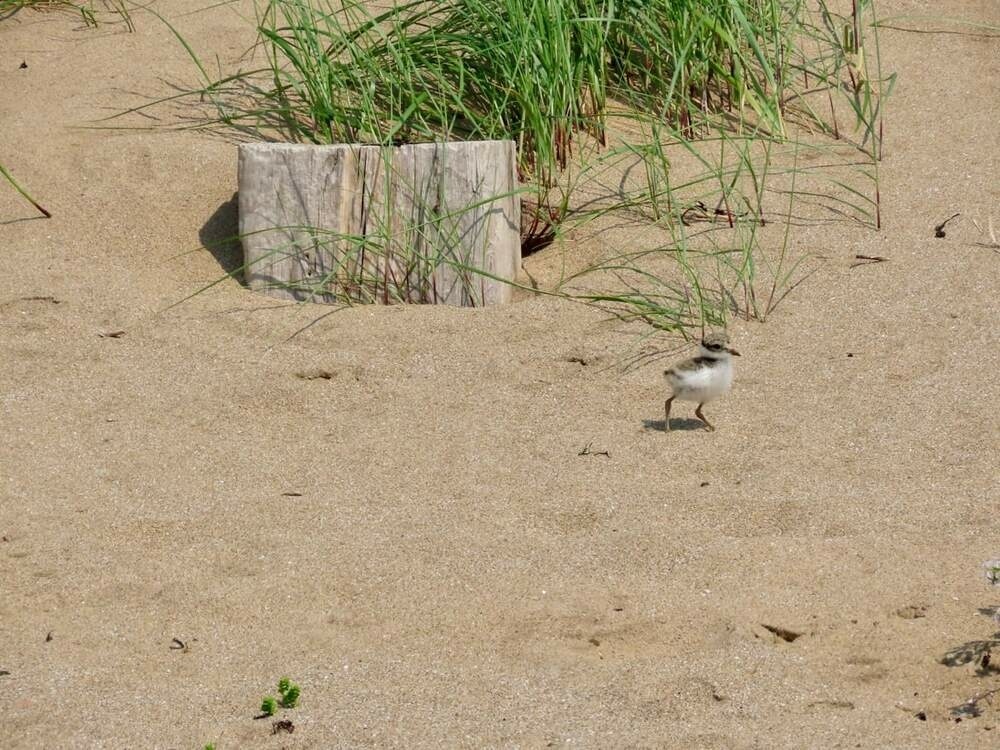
{"points": [[409, 223]]}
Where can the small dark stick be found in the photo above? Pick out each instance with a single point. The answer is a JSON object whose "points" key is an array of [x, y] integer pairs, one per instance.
{"points": [[868, 260], [939, 229], [878, 208]]}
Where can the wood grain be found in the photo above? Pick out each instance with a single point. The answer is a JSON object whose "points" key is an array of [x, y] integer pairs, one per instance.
{"points": [[422, 223]]}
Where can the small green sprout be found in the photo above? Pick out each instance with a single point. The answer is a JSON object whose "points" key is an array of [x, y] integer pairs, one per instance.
{"points": [[268, 706], [991, 570], [289, 692]]}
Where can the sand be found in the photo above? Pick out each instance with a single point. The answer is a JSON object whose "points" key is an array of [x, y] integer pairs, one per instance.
{"points": [[416, 539]]}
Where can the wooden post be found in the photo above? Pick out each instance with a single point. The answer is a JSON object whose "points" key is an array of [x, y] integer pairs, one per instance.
{"points": [[381, 224]]}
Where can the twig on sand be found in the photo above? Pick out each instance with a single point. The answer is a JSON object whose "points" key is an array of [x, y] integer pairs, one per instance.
{"points": [[868, 260], [587, 452], [939, 229]]}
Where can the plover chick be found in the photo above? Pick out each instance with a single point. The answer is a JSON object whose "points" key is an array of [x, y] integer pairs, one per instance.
{"points": [[703, 378]]}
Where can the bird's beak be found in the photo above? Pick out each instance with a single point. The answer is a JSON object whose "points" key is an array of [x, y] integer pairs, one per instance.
{"points": [[734, 352]]}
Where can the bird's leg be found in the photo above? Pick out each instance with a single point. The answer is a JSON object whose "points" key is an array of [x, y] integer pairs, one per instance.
{"points": [[708, 425], [666, 414]]}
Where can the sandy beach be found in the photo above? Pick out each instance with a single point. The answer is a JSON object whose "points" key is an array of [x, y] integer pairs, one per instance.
{"points": [[389, 504]]}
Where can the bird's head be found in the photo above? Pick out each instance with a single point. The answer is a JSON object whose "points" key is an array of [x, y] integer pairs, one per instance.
{"points": [[716, 346]]}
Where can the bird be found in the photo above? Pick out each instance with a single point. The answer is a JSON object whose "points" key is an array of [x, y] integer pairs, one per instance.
{"points": [[703, 378]]}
